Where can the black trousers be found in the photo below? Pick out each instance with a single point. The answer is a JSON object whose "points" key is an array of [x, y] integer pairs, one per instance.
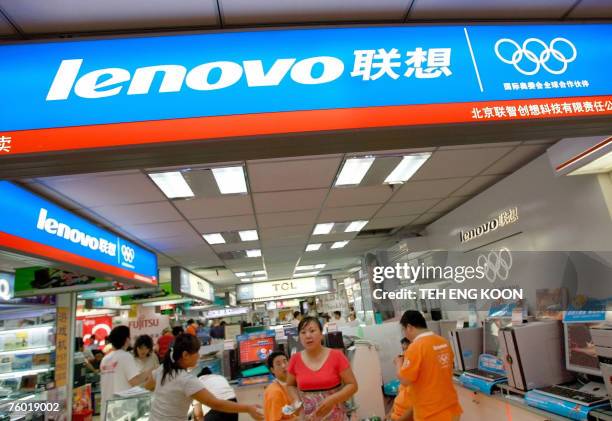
{"points": [[213, 415]]}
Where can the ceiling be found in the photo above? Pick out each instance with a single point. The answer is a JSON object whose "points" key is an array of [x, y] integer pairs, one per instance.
{"points": [[286, 199], [23, 19]]}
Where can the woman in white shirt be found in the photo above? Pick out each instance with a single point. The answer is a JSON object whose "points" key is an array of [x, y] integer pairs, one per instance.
{"points": [[175, 388], [144, 356], [221, 389]]}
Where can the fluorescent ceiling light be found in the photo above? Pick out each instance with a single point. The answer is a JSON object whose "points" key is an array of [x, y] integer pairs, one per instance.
{"points": [[320, 266], [259, 272], [306, 267], [322, 229], [260, 278], [230, 180], [409, 165], [215, 238], [172, 184], [249, 235], [339, 244], [603, 164], [353, 171], [313, 247], [253, 253], [245, 280], [356, 226], [297, 275], [241, 274]]}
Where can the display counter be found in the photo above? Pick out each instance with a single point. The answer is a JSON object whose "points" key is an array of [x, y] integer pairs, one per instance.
{"points": [[131, 408]]}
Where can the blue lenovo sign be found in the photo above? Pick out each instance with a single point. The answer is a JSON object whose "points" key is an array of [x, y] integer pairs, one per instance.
{"points": [[31, 224], [347, 75]]}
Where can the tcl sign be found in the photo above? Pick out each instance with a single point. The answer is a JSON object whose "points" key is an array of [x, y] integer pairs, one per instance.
{"points": [[274, 289]]}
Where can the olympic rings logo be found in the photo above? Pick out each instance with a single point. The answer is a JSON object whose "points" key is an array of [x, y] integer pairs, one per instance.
{"points": [[496, 264], [5, 289], [128, 253], [523, 54]]}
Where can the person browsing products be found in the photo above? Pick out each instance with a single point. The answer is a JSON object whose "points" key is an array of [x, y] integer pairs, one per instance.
{"points": [[277, 404]]}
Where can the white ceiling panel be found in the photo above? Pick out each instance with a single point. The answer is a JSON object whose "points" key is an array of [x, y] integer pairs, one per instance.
{"points": [[357, 196], [599, 9], [459, 163], [300, 231], [351, 213], [427, 218], [63, 16], [364, 244], [432, 189], [5, 27], [476, 185], [415, 207], [448, 204], [288, 241], [142, 213], [540, 142], [245, 265], [165, 261], [292, 174], [390, 222], [281, 219], [215, 207], [248, 245], [289, 201], [486, 9], [516, 159], [53, 195], [159, 230], [200, 253], [231, 223], [166, 244], [245, 12], [219, 277], [342, 236], [107, 190], [478, 146]]}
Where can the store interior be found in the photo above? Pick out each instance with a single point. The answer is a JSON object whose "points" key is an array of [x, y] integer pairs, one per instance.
{"points": [[250, 243]]}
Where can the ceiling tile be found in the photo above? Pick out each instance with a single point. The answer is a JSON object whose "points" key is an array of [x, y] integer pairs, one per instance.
{"points": [[248, 245], [289, 201], [597, 9], [390, 222], [281, 219], [432, 189], [292, 174], [158, 230], [479, 145], [54, 196], [459, 163], [356, 196], [485, 9], [476, 185], [245, 12], [448, 204], [215, 207], [288, 241], [231, 223], [244, 265], [516, 159], [5, 27], [165, 260], [219, 277], [427, 218], [166, 244], [341, 236], [107, 190], [540, 141], [122, 215], [285, 232], [65, 16], [415, 207], [364, 244], [352, 213]]}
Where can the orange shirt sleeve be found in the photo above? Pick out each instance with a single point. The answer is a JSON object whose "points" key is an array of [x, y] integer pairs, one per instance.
{"points": [[273, 404], [412, 363]]}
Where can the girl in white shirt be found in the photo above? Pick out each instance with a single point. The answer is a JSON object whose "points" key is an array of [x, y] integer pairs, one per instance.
{"points": [[221, 389], [144, 356], [175, 387]]}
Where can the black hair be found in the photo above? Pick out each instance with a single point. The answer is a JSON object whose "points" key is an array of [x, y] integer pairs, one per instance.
{"points": [[182, 343], [190, 321], [118, 336], [223, 323], [326, 317], [307, 320], [177, 330], [273, 356], [295, 314], [337, 313], [205, 371], [414, 319], [96, 352], [78, 344], [143, 340], [405, 341]]}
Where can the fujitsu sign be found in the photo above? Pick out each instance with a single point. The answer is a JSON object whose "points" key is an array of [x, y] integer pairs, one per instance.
{"points": [[509, 216], [111, 81]]}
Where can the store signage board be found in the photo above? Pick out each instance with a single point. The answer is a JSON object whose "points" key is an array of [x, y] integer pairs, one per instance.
{"points": [[36, 281], [506, 217], [279, 289], [226, 312], [35, 226], [187, 284], [102, 93]]}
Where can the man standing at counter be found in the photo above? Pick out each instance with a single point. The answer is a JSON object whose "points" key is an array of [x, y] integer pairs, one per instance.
{"points": [[427, 367]]}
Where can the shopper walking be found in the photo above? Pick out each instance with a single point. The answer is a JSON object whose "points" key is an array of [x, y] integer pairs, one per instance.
{"points": [[164, 342], [323, 376], [427, 368], [175, 388], [118, 369]]}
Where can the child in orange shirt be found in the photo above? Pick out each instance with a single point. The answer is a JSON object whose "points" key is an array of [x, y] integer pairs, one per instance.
{"points": [[276, 396], [402, 405]]}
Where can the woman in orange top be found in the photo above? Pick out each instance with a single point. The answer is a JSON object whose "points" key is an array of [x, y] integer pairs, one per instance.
{"points": [[276, 396]]}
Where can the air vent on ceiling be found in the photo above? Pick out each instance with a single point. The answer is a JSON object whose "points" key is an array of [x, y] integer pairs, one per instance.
{"points": [[375, 233]]}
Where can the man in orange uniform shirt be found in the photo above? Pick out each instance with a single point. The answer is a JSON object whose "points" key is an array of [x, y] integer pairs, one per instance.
{"points": [[427, 367], [276, 396]]}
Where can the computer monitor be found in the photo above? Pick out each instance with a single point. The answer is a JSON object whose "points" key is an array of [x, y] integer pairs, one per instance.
{"points": [[231, 331], [290, 330], [255, 350], [492, 326], [254, 329], [580, 354]]}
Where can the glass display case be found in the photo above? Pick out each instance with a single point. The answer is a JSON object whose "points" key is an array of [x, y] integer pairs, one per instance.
{"points": [[132, 408]]}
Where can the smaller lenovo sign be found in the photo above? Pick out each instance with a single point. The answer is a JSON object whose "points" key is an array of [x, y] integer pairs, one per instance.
{"points": [[284, 288], [187, 284]]}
